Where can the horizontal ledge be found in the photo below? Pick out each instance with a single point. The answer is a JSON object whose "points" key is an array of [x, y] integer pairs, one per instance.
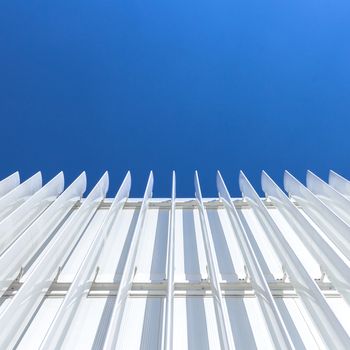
{"points": [[165, 203], [240, 288]]}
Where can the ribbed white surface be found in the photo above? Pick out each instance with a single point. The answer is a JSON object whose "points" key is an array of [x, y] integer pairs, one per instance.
{"points": [[194, 316]]}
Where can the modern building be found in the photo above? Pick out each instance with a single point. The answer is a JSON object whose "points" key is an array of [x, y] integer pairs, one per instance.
{"points": [[175, 273]]}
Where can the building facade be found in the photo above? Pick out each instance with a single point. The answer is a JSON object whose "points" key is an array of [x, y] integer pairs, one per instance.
{"points": [[82, 271]]}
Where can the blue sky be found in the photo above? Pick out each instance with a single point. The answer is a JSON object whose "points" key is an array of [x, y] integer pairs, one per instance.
{"points": [[184, 85]]}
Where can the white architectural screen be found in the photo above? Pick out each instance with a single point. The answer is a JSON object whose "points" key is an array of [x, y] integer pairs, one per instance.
{"points": [[82, 271]]}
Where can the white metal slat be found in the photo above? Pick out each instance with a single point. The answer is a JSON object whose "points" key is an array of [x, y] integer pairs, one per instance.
{"points": [[14, 224], [270, 264], [296, 244], [17, 196], [226, 338], [339, 183], [334, 227], [16, 315], [303, 332], [277, 329], [39, 324], [84, 278], [72, 264], [9, 183], [329, 196], [337, 270], [129, 270], [332, 332], [168, 321], [113, 255], [31, 240], [88, 320]]}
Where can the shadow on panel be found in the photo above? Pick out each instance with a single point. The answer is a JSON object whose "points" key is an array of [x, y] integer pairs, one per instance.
{"points": [[152, 324], [160, 246], [197, 332], [223, 255], [240, 325], [192, 269]]}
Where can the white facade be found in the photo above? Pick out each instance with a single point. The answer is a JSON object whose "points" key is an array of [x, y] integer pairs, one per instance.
{"points": [[174, 273]]}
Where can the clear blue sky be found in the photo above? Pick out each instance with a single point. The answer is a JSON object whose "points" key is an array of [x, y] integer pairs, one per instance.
{"points": [[184, 85]]}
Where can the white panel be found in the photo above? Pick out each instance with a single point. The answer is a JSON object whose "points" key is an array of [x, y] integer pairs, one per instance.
{"points": [[332, 247], [329, 327], [18, 313], [199, 243], [277, 330], [13, 199], [269, 261], [226, 339], [212, 331], [40, 323], [304, 334], [190, 261], [341, 310], [337, 269], [334, 227], [141, 324], [113, 255], [89, 326], [31, 242], [14, 224], [194, 324], [128, 273], [179, 246], [91, 242], [329, 196], [297, 245], [151, 261], [230, 260], [339, 183], [181, 330], [240, 324], [258, 324], [73, 263], [176, 263], [9, 183]]}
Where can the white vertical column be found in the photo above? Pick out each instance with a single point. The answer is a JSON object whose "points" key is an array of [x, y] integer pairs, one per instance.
{"points": [[14, 224], [20, 252], [9, 183], [222, 317], [277, 329], [128, 273], [83, 280], [330, 329], [169, 308], [16, 315], [331, 224]]}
